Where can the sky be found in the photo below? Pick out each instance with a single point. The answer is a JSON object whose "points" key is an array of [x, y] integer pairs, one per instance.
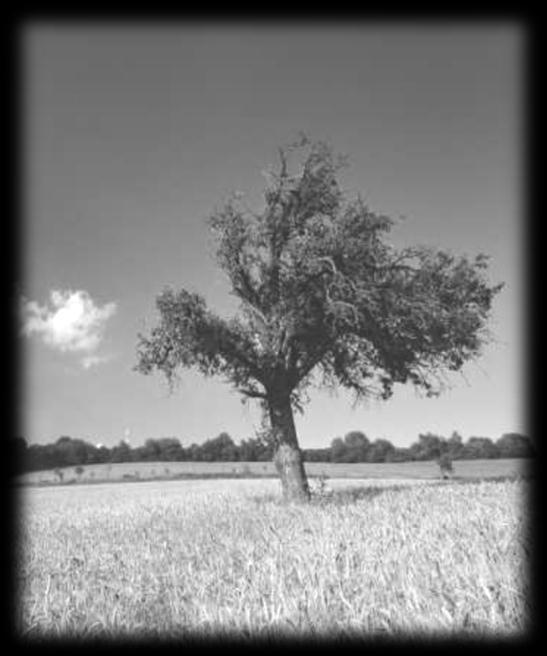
{"points": [[134, 134]]}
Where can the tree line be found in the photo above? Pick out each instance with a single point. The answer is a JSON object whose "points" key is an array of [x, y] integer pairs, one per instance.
{"points": [[354, 447]]}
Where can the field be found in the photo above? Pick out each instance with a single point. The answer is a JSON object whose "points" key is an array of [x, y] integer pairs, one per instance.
{"points": [[213, 557], [127, 471]]}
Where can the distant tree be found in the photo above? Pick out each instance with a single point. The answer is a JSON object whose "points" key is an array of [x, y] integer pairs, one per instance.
{"points": [[515, 445], [445, 464], [121, 452], [79, 471], [169, 448], [92, 454], [151, 451], [69, 451], [430, 446], [357, 446], [60, 474], [455, 446], [480, 447], [104, 454], [207, 451], [380, 451], [401, 454], [324, 297], [247, 451], [264, 446], [43, 456], [316, 455], [194, 452], [221, 448], [337, 450]]}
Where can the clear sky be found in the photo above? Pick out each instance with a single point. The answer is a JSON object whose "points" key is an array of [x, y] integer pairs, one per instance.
{"points": [[134, 134]]}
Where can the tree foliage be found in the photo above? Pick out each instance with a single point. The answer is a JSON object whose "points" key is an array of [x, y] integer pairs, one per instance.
{"points": [[323, 292]]}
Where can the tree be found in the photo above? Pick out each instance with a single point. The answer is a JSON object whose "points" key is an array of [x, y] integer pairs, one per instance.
{"points": [[401, 454], [324, 297], [219, 448], [121, 452], [515, 445], [170, 449], [454, 446], [445, 464], [337, 450], [151, 450], [429, 446], [380, 451], [255, 449], [92, 454], [71, 451], [480, 447], [357, 445]]}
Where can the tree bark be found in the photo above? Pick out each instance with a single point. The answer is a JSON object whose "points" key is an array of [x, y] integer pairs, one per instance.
{"points": [[287, 455]]}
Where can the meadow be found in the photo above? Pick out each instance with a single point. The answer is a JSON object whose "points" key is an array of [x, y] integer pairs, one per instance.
{"points": [[139, 471], [202, 558]]}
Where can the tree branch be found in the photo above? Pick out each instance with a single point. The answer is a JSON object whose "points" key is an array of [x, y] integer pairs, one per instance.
{"points": [[254, 394]]}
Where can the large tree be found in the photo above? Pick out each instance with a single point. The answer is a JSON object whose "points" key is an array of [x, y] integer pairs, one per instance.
{"points": [[325, 298]]}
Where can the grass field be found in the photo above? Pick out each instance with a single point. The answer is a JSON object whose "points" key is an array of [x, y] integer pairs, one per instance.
{"points": [[213, 557], [171, 470]]}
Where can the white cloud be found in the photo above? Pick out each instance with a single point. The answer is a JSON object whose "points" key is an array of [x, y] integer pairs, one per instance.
{"points": [[72, 323], [92, 360]]}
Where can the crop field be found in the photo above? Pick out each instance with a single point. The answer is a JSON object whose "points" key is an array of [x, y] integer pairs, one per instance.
{"points": [[202, 558], [139, 471]]}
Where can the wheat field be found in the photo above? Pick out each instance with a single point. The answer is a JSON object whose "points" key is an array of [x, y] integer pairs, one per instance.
{"points": [[174, 559]]}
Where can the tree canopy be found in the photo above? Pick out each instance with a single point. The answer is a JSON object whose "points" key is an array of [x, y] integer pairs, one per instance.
{"points": [[321, 288]]}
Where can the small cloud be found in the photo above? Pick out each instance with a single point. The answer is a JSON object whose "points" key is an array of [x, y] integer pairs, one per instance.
{"points": [[72, 323], [93, 360]]}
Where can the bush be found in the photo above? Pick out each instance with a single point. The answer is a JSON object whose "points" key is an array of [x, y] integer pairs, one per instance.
{"points": [[445, 463]]}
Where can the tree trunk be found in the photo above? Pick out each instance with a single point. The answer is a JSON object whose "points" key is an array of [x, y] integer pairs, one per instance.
{"points": [[287, 455]]}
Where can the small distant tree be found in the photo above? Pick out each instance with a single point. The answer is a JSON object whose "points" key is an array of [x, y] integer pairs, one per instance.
{"points": [[121, 452], [169, 448], [324, 297], [380, 451], [79, 471], [480, 447], [71, 451], [428, 446], [401, 454], [357, 446], [454, 445], [60, 474], [337, 450], [445, 464], [515, 445]]}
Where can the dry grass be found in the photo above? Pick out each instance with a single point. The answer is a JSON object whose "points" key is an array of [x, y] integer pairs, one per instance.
{"points": [[203, 558]]}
